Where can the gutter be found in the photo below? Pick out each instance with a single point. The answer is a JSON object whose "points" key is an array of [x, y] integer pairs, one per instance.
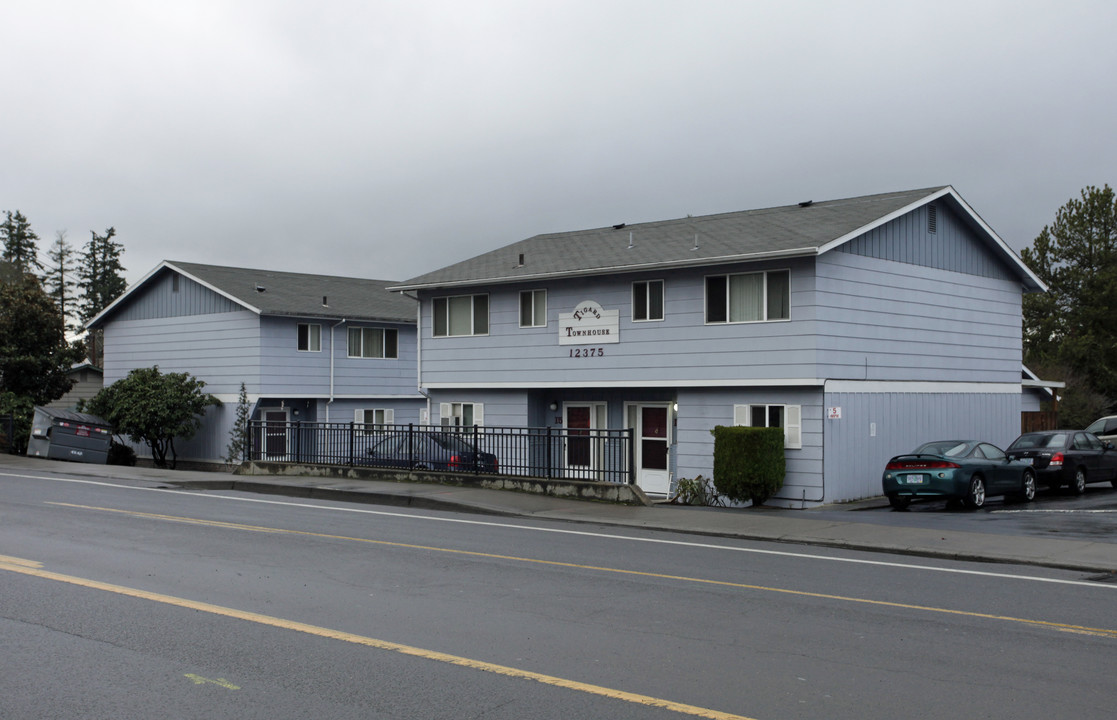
{"points": [[330, 401]]}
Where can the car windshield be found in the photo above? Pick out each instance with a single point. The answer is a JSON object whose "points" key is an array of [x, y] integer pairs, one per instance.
{"points": [[1097, 427], [946, 448], [450, 442], [1039, 440]]}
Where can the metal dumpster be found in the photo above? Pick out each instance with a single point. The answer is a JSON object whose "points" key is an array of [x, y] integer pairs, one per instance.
{"points": [[68, 435]]}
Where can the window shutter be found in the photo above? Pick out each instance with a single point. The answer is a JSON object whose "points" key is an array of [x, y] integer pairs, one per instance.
{"points": [[478, 414], [444, 411], [359, 416], [793, 427], [389, 416], [741, 415]]}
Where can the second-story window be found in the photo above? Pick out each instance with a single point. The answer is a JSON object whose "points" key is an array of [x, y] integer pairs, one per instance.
{"points": [[647, 300], [533, 308], [310, 337], [461, 315], [748, 297], [373, 342]]}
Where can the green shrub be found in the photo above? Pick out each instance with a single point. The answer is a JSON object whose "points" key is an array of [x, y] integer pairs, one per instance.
{"points": [[121, 454], [696, 491], [748, 462]]}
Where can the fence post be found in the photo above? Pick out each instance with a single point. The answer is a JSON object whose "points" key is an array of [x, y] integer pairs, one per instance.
{"points": [[549, 453], [476, 450], [298, 441], [410, 446], [352, 440], [630, 434]]}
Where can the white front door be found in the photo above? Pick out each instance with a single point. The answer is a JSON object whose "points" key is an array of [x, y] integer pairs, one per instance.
{"points": [[652, 425], [582, 455]]}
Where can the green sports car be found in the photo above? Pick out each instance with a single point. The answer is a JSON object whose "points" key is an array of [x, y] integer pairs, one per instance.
{"points": [[966, 470]]}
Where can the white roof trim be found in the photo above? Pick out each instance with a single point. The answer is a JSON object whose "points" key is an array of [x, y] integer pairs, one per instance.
{"points": [[143, 281], [948, 190], [777, 382]]}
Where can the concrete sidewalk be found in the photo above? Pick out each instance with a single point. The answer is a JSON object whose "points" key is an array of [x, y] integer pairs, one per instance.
{"points": [[784, 526]]}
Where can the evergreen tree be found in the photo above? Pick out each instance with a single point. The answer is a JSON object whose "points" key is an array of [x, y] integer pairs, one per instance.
{"points": [[20, 242], [59, 278], [100, 277], [238, 435], [1073, 325]]}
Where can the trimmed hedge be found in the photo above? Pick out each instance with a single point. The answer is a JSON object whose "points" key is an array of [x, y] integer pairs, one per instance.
{"points": [[748, 462]]}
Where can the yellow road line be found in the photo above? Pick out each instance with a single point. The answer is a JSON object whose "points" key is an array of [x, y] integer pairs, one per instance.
{"points": [[28, 568], [1063, 627]]}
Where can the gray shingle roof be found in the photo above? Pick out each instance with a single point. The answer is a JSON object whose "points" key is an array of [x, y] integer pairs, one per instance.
{"points": [[290, 294], [728, 237], [300, 294]]}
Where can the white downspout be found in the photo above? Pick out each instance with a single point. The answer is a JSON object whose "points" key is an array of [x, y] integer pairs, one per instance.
{"points": [[331, 400], [419, 349]]}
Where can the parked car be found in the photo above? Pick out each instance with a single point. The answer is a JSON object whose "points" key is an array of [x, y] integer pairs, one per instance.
{"points": [[1066, 457], [1104, 428], [431, 451], [965, 470]]}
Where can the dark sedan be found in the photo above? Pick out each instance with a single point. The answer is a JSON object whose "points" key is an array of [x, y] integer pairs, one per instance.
{"points": [[431, 451], [965, 470], [1066, 457]]}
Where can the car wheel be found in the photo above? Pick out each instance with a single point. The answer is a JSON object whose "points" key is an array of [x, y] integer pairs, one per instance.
{"points": [[975, 498], [898, 502], [1028, 487], [1078, 485]]}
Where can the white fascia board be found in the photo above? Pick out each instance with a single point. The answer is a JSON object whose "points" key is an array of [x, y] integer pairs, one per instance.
{"points": [[1042, 384], [613, 270], [573, 384], [924, 387], [948, 190], [360, 396]]}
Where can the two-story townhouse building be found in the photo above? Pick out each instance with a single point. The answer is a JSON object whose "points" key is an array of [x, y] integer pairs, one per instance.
{"points": [[862, 326], [307, 347]]}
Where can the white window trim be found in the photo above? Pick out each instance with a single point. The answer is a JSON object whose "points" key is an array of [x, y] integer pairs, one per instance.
{"points": [[360, 414], [792, 421], [520, 309], [647, 300], [472, 316], [447, 415], [383, 343], [727, 321], [309, 337]]}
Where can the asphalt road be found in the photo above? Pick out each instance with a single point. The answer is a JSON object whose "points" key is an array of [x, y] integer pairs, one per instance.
{"points": [[121, 601]]}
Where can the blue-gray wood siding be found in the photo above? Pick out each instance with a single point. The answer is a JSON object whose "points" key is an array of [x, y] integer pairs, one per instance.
{"points": [[953, 245], [700, 410], [160, 300], [901, 421], [223, 349], [284, 370]]}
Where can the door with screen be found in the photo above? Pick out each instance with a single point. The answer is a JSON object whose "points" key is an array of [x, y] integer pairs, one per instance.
{"points": [[652, 424]]}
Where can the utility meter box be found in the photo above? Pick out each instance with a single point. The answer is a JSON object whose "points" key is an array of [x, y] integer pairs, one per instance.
{"points": [[68, 435]]}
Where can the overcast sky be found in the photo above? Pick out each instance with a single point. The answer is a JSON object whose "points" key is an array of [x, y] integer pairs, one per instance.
{"points": [[388, 139]]}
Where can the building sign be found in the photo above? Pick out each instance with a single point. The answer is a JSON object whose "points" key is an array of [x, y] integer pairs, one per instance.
{"points": [[834, 413], [589, 324]]}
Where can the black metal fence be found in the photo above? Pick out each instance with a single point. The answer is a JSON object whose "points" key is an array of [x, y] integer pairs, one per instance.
{"points": [[599, 455]]}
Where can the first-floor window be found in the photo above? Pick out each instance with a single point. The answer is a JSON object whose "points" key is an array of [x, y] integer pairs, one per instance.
{"points": [[461, 315], [371, 417], [788, 417], [373, 342], [748, 297], [310, 337], [462, 414], [533, 308]]}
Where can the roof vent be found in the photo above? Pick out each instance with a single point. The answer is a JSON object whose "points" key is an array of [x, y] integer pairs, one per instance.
{"points": [[618, 226], [630, 243], [324, 303], [260, 288], [521, 262], [932, 219], [806, 203]]}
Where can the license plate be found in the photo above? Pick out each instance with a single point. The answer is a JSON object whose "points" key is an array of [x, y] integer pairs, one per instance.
{"points": [[1026, 460], [913, 479]]}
